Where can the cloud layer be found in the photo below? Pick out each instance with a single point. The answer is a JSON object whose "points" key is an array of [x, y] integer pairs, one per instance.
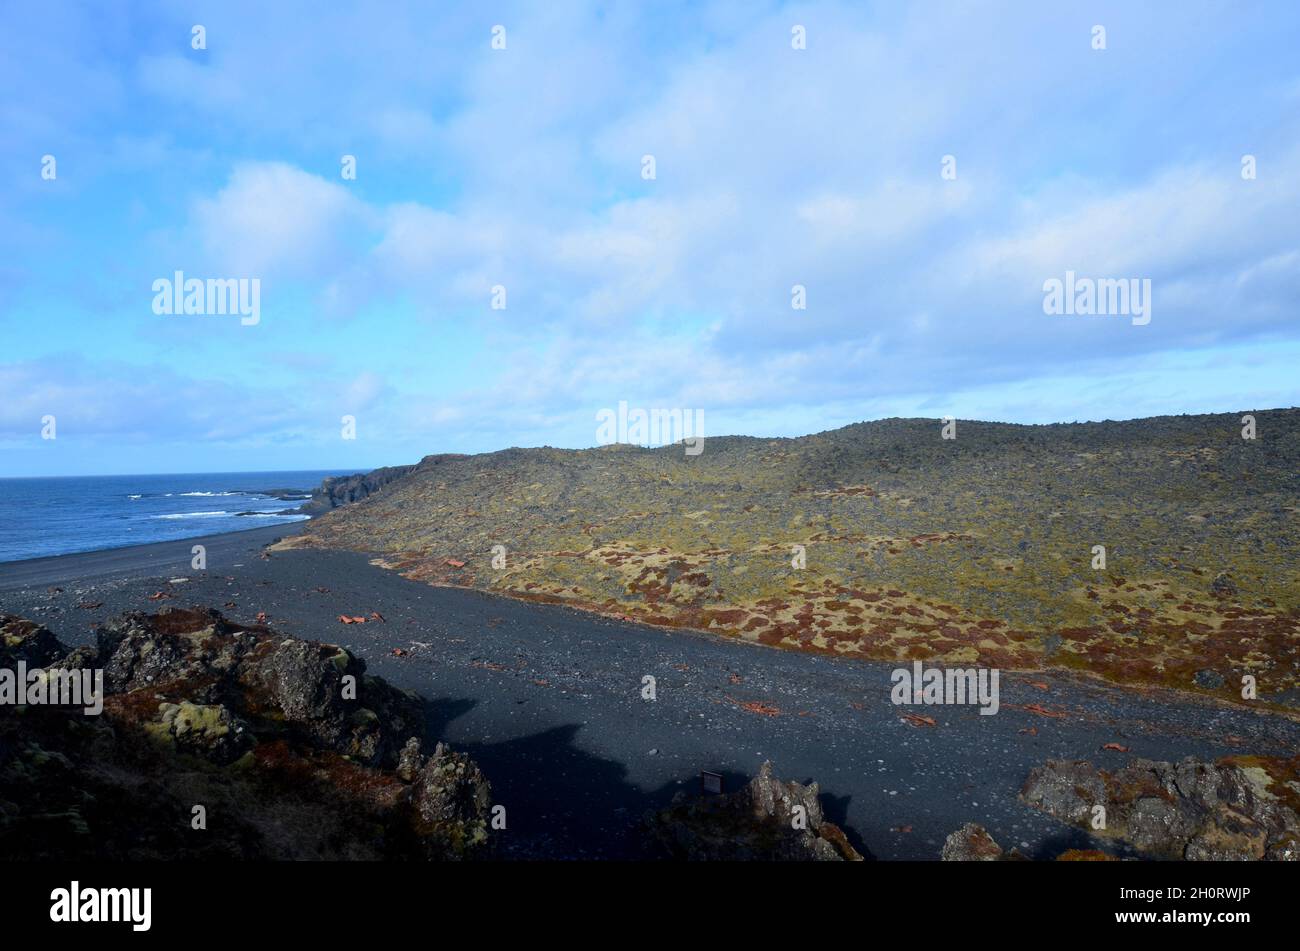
{"points": [[522, 168]]}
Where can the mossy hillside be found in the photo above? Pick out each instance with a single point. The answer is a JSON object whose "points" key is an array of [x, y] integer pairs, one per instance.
{"points": [[974, 550]]}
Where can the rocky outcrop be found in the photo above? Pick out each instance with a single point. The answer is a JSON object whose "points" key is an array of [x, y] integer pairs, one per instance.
{"points": [[22, 640], [224, 741], [341, 490], [1239, 808], [318, 688], [971, 843], [767, 820]]}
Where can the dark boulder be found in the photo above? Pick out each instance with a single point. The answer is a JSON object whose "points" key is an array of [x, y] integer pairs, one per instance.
{"points": [[23, 640]]}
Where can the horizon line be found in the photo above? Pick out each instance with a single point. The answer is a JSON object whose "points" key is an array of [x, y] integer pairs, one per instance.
{"points": [[352, 470]]}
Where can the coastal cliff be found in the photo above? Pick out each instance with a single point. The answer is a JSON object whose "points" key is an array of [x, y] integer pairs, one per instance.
{"points": [[342, 490]]}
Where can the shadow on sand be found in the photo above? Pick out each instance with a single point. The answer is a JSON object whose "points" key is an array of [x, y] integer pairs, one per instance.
{"points": [[563, 802]]}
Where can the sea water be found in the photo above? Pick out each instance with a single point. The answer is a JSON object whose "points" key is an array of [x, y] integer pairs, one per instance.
{"points": [[55, 516]]}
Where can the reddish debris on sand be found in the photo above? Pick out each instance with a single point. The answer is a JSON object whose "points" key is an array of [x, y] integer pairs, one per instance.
{"points": [[351, 620], [753, 706], [376, 616], [159, 596], [1114, 746], [454, 563], [917, 719], [398, 652], [1041, 711]]}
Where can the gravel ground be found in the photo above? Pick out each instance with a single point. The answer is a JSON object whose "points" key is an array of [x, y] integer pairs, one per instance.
{"points": [[548, 700]]}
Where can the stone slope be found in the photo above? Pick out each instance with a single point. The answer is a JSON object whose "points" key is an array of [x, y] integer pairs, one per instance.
{"points": [[973, 551]]}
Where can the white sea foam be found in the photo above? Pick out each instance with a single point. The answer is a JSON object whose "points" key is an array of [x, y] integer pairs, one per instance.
{"points": [[192, 515]]}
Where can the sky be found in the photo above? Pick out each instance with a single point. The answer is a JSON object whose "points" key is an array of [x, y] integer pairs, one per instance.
{"points": [[920, 170]]}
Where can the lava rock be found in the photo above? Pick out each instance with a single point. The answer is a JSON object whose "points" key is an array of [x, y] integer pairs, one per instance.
{"points": [[23, 640], [766, 820], [1239, 808], [971, 843]]}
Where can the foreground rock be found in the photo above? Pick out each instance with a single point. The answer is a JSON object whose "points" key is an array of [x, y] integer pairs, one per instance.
{"points": [[1240, 808], [971, 843], [974, 843], [767, 820], [218, 740]]}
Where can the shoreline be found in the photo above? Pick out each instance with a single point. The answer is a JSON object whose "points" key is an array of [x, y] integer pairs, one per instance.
{"points": [[128, 560], [135, 562], [524, 687]]}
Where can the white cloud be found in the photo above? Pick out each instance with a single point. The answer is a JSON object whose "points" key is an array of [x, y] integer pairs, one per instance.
{"points": [[274, 219]]}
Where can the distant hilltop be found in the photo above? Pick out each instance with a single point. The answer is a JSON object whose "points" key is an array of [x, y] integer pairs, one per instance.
{"points": [[1150, 551]]}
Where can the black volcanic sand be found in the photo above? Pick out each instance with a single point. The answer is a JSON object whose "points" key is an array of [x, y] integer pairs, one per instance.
{"points": [[548, 701]]}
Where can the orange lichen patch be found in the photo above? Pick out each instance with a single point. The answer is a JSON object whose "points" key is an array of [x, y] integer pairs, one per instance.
{"points": [[929, 538], [1085, 855]]}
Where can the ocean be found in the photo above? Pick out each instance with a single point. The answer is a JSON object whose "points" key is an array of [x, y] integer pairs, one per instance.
{"points": [[56, 516]]}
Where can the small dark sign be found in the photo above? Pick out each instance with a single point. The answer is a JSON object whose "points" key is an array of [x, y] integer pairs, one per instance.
{"points": [[710, 782]]}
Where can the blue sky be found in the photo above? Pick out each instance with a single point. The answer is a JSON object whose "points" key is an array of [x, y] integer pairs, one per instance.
{"points": [[522, 167]]}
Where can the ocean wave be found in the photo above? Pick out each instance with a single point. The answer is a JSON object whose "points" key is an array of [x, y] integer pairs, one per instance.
{"points": [[210, 494], [193, 515]]}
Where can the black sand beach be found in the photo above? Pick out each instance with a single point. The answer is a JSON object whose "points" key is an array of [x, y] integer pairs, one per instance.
{"points": [[548, 701]]}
